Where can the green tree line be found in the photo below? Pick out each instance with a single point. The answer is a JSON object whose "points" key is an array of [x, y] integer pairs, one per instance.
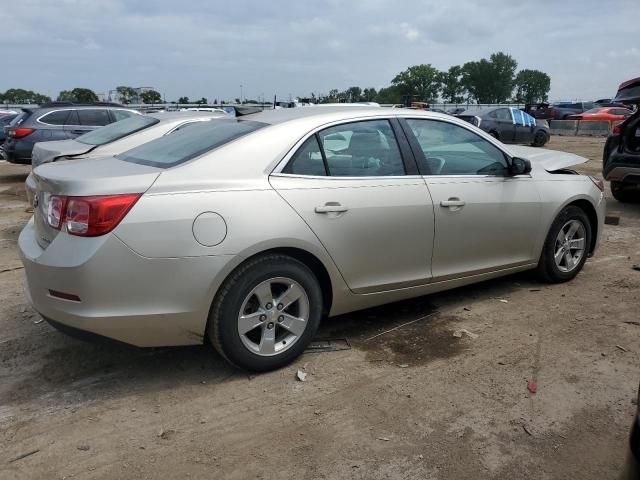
{"points": [[492, 80]]}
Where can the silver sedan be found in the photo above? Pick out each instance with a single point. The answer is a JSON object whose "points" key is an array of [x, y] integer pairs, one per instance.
{"points": [[112, 139], [247, 231]]}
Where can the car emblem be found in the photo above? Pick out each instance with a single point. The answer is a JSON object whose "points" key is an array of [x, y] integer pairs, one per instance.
{"points": [[35, 202]]}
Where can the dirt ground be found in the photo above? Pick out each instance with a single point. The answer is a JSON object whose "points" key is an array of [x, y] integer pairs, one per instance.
{"points": [[413, 403]]}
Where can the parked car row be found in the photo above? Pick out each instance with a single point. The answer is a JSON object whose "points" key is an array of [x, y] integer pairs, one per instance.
{"points": [[573, 110], [56, 121]]}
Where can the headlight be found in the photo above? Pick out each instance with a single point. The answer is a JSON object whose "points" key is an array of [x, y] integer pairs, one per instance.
{"points": [[598, 182]]}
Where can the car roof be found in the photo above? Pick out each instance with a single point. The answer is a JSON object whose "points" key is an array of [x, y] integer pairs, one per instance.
{"points": [[168, 116], [332, 113], [480, 110]]}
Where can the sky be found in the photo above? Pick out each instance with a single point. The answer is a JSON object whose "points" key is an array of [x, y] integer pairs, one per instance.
{"points": [[209, 48]]}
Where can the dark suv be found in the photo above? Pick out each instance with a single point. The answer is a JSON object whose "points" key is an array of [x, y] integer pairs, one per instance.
{"points": [[621, 156], [57, 121]]}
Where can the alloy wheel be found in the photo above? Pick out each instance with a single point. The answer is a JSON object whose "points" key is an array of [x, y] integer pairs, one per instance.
{"points": [[273, 316], [570, 246]]}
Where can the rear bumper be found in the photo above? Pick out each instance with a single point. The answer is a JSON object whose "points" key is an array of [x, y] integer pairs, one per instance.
{"points": [[123, 296], [18, 151]]}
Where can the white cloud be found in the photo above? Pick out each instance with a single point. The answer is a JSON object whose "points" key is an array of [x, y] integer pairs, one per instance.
{"points": [[201, 48]]}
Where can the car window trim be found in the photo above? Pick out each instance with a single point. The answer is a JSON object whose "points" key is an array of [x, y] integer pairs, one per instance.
{"points": [[415, 144], [280, 166], [75, 109], [38, 120]]}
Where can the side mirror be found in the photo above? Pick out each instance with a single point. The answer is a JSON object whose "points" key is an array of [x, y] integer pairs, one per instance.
{"points": [[520, 166]]}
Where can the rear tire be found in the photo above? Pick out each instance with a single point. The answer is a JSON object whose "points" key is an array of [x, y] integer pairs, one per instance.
{"points": [[253, 325], [566, 247], [540, 139]]}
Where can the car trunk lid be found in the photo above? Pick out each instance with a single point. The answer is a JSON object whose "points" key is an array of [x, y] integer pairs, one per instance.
{"points": [[100, 176], [45, 152], [549, 160]]}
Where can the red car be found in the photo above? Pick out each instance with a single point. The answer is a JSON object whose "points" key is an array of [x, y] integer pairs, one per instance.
{"points": [[610, 114]]}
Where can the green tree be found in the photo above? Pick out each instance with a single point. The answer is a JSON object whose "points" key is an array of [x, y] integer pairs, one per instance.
{"points": [[127, 94], [452, 87], [22, 96], [183, 100], [202, 101], [353, 94], [389, 95], [490, 81], [151, 96], [532, 86], [369, 94], [78, 95], [419, 82]]}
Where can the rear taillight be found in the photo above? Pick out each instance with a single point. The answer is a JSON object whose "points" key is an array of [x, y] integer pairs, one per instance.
{"points": [[617, 129], [20, 132], [89, 216], [551, 112]]}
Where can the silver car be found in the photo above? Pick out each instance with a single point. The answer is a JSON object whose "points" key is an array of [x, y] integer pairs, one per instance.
{"points": [[112, 139], [247, 231]]}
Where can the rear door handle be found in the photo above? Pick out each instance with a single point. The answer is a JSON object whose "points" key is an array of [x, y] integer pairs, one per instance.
{"points": [[331, 207], [452, 202]]}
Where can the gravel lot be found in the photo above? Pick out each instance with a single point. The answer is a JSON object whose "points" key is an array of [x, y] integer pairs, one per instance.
{"points": [[414, 403]]}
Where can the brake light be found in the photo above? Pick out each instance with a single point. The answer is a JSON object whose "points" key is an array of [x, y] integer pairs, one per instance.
{"points": [[617, 129], [598, 182], [20, 132], [89, 216], [55, 211]]}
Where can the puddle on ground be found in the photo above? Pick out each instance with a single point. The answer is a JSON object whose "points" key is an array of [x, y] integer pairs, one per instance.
{"points": [[413, 344]]}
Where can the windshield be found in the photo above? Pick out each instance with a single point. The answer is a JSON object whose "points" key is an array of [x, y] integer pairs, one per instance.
{"points": [[190, 141], [116, 131]]}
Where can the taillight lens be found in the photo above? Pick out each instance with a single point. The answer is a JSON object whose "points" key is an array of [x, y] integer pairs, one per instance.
{"points": [[55, 211], [20, 132], [89, 216]]}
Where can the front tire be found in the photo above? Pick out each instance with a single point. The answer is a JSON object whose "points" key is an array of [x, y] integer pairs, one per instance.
{"points": [[266, 313], [566, 247]]}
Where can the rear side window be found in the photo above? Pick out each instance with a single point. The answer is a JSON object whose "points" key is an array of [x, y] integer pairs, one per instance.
{"points": [[94, 118], [307, 160], [117, 130], [121, 114], [58, 117], [188, 143]]}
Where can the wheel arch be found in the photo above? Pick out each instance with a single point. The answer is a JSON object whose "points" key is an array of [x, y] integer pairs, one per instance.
{"points": [[587, 207]]}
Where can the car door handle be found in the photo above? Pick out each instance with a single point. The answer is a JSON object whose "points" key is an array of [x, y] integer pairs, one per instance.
{"points": [[452, 202], [331, 207]]}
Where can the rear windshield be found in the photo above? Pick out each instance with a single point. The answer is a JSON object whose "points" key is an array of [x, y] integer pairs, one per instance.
{"points": [[189, 142], [115, 131], [629, 94]]}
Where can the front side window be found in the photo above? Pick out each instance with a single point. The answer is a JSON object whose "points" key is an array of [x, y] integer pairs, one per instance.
{"points": [[94, 118], [188, 143], [55, 118], [117, 130], [449, 149]]}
